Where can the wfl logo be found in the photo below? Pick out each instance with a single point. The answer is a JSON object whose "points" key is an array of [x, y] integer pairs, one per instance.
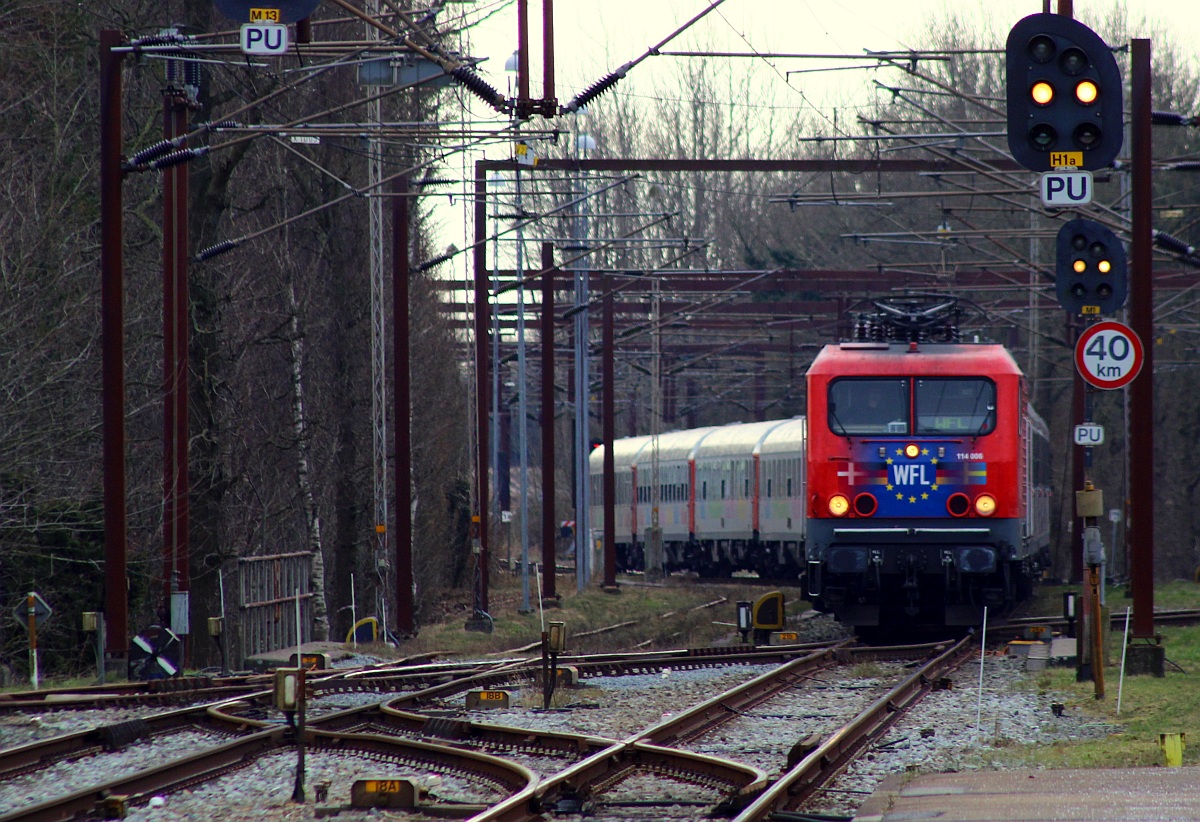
{"points": [[1061, 189], [912, 474]]}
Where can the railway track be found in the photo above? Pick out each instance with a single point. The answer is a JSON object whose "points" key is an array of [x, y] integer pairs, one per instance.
{"points": [[1167, 616], [412, 730], [243, 716], [580, 786], [193, 689], [838, 750], [409, 731]]}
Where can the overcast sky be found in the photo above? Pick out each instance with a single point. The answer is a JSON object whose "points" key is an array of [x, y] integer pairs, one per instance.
{"points": [[595, 36]]}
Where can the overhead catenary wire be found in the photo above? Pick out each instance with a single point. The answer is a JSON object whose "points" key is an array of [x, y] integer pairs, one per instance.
{"points": [[537, 275], [230, 244], [457, 69], [182, 41], [613, 77], [443, 258]]}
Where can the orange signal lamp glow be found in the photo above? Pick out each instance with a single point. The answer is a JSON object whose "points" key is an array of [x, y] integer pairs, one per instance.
{"points": [[1105, 266], [985, 505], [1043, 93], [1079, 266], [839, 505], [912, 450], [1086, 92]]}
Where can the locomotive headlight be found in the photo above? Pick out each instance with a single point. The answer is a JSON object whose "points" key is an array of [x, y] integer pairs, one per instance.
{"points": [[985, 505], [912, 450], [839, 505]]}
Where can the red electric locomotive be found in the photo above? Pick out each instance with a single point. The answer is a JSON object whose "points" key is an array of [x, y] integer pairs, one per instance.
{"points": [[928, 485]]}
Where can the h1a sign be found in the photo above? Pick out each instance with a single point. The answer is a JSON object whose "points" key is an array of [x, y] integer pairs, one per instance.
{"points": [[1064, 189], [264, 38]]}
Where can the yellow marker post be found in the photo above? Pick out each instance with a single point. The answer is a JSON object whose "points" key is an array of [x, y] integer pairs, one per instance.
{"points": [[1172, 747]]}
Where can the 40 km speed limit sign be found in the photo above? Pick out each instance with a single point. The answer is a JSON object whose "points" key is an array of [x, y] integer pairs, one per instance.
{"points": [[1109, 354]]}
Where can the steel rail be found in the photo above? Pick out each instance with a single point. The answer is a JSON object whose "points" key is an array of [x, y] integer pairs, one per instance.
{"points": [[646, 751], [375, 678], [1174, 616], [608, 766], [511, 776], [683, 726], [225, 714], [113, 695], [838, 750], [465, 732], [117, 735], [213, 762], [174, 775], [707, 715]]}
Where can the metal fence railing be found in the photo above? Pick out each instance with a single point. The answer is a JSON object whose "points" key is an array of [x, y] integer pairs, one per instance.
{"points": [[270, 590]]}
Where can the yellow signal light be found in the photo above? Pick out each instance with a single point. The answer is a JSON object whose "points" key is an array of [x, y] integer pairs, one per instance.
{"points": [[912, 450], [1086, 92], [1105, 266], [1079, 266], [839, 505], [1042, 93]]}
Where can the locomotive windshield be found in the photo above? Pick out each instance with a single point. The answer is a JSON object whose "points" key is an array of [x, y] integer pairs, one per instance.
{"points": [[861, 407], [962, 406], [867, 406]]}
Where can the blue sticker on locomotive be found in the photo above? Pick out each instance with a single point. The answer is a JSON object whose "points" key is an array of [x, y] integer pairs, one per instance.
{"points": [[910, 487]]}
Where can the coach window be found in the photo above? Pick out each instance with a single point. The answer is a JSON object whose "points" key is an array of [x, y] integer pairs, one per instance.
{"points": [[868, 406], [956, 406]]}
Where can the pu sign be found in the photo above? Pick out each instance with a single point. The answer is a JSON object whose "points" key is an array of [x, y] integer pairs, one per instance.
{"points": [[264, 38], [1066, 189]]}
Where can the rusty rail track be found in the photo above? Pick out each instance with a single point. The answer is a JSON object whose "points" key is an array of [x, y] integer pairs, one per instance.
{"points": [[210, 689], [840, 748], [444, 743], [648, 750], [1166, 616]]}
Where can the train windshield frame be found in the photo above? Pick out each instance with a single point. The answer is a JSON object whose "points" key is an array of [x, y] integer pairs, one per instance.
{"points": [[956, 406], [952, 406], [863, 406]]}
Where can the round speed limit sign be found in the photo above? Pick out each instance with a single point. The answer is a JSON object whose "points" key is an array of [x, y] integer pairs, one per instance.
{"points": [[1109, 354]]}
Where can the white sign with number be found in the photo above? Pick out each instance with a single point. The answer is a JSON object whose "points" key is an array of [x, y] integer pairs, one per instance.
{"points": [[1109, 354], [1064, 189]]}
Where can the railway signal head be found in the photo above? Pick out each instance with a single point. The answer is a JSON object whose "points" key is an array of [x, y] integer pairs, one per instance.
{"points": [[1090, 268], [1064, 95]]}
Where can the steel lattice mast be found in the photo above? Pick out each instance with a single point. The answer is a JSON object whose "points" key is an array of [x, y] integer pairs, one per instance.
{"points": [[379, 464]]}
